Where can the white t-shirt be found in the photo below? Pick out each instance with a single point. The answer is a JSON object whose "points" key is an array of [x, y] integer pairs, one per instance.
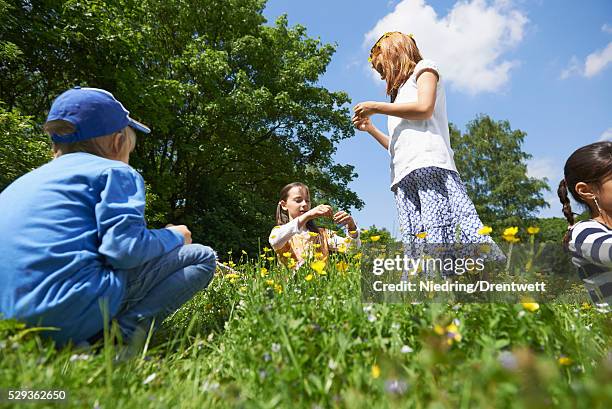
{"points": [[417, 144]]}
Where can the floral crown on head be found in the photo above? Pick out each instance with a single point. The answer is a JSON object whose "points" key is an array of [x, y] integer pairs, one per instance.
{"points": [[382, 37]]}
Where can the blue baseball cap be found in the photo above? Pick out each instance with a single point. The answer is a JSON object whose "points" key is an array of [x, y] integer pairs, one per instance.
{"points": [[93, 112]]}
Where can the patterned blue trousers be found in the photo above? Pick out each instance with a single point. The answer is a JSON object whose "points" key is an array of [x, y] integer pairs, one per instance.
{"points": [[434, 201]]}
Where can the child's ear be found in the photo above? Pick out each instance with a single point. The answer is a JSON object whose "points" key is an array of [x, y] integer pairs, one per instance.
{"points": [[117, 143], [283, 205], [585, 191]]}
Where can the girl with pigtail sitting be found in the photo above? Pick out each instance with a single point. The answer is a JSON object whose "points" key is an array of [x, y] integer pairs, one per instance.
{"points": [[296, 237]]}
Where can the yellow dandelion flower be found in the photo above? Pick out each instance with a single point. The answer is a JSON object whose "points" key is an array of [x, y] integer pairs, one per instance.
{"points": [[270, 258], [485, 230], [531, 306], [243, 288], [533, 230], [342, 248], [244, 252], [278, 288], [291, 262], [313, 234], [452, 332], [452, 327], [308, 277], [319, 254], [231, 275], [374, 238], [317, 266], [438, 329], [565, 361], [316, 245], [262, 256], [364, 231], [347, 240], [510, 231], [267, 250], [357, 256], [341, 266], [263, 272], [375, 371], [287, 254], [511, 238], [323, 273], [269, 282], [231, 263], [232, 280], [352, 232]]}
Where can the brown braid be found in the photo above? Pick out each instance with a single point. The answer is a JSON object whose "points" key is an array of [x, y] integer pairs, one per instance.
{"points": [[567, 209]]}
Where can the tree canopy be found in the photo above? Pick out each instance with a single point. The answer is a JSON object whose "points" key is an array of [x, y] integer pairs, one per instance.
{"points": [[234, 104], [493, 165]]}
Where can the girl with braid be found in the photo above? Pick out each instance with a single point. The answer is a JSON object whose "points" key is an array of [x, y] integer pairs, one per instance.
{"points": [[588, 178], [296, 237]]}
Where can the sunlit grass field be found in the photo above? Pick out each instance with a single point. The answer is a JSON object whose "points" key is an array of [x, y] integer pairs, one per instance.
{"points": [[268, 338]]}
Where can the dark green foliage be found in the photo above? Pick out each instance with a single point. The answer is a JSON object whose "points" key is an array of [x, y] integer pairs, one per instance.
{"points": [[234, 106]]}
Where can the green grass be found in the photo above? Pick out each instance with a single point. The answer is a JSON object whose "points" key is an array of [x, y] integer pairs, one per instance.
{"points": [[243, 343]]}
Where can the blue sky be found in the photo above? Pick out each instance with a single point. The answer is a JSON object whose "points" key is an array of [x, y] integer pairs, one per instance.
{"points": [[545, 66]]}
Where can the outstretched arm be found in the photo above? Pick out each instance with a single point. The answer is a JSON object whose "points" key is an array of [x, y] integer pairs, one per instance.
{"points": [[365, 124], [422, 109]]}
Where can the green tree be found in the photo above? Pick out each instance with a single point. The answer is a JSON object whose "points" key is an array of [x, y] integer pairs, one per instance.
{"points": [[22, 148], [234, 104], [492, 164]]}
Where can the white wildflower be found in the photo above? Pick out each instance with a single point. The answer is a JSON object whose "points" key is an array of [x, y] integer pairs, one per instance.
{"points": [[406, 349], [149, 378]]}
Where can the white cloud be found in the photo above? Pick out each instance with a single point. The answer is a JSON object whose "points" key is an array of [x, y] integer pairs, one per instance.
{"points": [[552, 170], [574, 68], [469, 43], [544, 168], [606, 135], [606, 28], [594, 63], [597, 61]]}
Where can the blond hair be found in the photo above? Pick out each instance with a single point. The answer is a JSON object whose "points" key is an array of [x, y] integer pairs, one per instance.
{"points": [[394, 57], [100, 146]]}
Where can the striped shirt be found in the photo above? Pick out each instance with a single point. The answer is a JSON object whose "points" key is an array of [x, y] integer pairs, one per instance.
{"points": [[590, 246]]}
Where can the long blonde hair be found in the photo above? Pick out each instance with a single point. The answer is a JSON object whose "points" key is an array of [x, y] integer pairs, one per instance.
{"points": [[394, 57]]}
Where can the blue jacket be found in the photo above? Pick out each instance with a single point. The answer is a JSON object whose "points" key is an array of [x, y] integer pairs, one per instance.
{"points": [[69, 230]]}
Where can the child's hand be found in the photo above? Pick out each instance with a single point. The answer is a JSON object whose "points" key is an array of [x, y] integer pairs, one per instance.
{"points": [[342, 218], [363, 123], [183, 230], [364, 109], [320, 211]]}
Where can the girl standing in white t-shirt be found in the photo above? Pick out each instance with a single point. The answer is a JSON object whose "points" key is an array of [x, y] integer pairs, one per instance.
{"points": [[431, 198]]}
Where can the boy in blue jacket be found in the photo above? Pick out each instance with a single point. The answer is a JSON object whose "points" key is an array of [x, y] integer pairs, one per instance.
{"points": [[74, 237]]}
